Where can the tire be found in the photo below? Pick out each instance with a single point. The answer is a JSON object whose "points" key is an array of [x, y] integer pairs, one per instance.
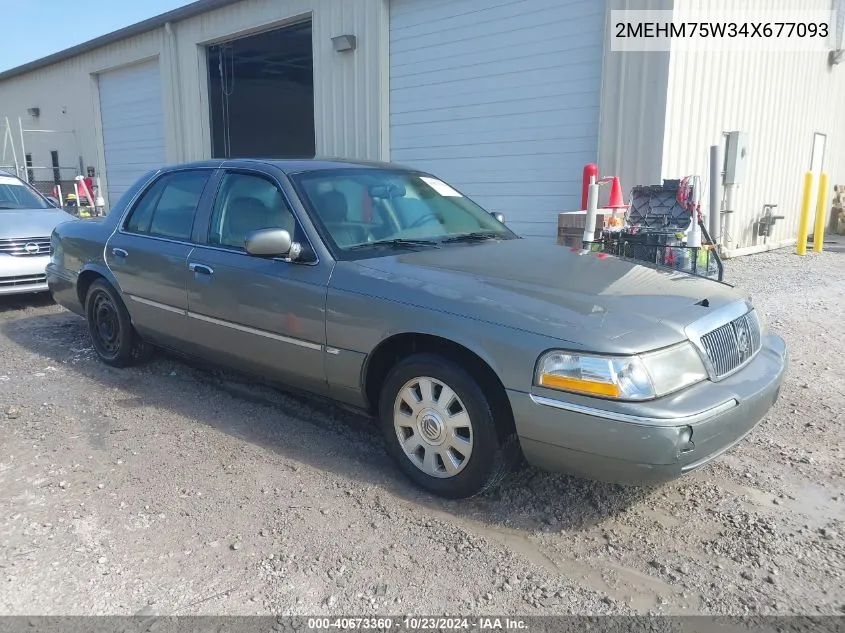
{"points": [[465, 431], [115, 341]]}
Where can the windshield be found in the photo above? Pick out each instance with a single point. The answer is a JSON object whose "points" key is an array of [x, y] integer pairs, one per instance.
{"points": [[15, 194], [383, 208]]}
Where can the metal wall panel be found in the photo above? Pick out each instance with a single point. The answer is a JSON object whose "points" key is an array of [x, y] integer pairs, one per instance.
{"points": [[633, 107], [781, 99], [132, 114], [500, 98]]}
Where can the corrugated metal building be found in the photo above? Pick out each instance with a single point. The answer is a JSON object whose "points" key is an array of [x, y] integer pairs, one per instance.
{"points": [[505, 99], [782, 100]]}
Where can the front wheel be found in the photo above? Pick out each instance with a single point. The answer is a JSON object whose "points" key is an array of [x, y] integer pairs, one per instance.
{"points": [[441, 430], [114, 339]]}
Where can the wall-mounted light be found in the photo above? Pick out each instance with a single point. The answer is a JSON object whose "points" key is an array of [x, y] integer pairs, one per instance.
{"points": [[33, 112], [343, 43]]}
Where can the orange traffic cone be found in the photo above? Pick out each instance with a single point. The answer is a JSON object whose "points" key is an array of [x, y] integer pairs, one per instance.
{"points": [[615, 201]]}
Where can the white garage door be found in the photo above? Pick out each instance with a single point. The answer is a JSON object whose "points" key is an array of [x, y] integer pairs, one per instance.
{"points": [[132, 113], [500, 98]]}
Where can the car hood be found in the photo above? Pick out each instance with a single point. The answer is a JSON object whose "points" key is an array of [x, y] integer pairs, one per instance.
{"points": [[19, 223], [585, 298]]}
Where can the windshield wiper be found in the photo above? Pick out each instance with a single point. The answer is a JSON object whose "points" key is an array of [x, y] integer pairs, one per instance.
{"points": [[477, 236], [397, 242]]}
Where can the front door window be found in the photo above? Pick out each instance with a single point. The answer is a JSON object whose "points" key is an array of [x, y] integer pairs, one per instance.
{"points": [[246, 203]]}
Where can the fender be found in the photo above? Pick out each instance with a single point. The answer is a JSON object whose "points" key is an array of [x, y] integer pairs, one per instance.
{"points": [[431, 329], [103, 271], [467, 342]]}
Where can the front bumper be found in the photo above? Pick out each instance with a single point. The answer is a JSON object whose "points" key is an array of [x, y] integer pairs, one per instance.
{"points": [[648, 443], [22, 275]]}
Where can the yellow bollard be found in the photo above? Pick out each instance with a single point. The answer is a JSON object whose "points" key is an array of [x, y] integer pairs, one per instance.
{"points": [[821, 211], [804, 222]]}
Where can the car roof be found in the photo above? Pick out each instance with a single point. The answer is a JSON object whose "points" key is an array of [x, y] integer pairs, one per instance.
{"points": [[287, 165], [318, 164], [296, 165]]}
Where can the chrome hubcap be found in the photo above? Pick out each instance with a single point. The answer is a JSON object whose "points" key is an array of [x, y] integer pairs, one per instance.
{"points": [[433, 427]]}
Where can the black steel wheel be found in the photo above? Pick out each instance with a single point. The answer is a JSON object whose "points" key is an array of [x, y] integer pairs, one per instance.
{"points": [[114, 339]]}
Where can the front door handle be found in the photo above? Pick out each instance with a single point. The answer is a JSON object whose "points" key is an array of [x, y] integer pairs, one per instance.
{"points": [[201, 268], [119, 252]]}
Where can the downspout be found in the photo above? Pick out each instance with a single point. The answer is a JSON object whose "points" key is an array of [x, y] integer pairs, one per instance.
{"points": [[176, 91]]}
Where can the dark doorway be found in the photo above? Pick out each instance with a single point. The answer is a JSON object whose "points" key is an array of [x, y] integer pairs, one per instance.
{"points": [[57, 173], [261, 94]]}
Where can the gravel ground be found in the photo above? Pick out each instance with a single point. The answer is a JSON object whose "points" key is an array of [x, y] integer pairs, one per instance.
{"points": [[179, 489]]}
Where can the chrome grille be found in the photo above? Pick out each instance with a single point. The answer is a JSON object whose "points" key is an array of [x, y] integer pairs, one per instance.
{"points": [[25, 246], [22, 280], [732, 345]]}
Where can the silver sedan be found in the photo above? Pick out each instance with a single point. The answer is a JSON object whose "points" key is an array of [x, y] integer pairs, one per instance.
{"points": [[27, 220]]}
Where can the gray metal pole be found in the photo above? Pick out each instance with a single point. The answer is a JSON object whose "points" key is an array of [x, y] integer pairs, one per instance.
{"points": [[715, 219], [592, 211], [23, 151]]}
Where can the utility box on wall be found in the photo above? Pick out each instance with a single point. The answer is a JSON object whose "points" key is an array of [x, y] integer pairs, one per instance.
{"points": [[736, 153]]}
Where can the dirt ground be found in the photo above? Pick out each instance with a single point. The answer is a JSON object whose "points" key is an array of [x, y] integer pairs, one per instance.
{"points": [[178, 489]]}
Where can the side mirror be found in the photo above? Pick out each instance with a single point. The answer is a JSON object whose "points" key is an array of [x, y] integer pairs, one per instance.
{"points": [[499, 216], [54, 201], [268, 243]]}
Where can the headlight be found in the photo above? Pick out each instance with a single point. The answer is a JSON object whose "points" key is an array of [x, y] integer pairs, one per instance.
{"points": [[640, 377], [762, 325]]}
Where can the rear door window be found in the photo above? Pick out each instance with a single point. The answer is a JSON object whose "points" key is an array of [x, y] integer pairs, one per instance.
{"points": [[167, 209]]}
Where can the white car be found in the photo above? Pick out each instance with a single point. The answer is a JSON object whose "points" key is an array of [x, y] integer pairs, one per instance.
{"points": [[27, 220]]}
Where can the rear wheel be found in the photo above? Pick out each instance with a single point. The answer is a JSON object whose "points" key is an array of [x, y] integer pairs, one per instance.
{"points": [[114, 339], [441, 430]]}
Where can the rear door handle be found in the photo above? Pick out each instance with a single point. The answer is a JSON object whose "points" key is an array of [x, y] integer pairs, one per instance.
{"points": [[119, 252], [201, 268]]}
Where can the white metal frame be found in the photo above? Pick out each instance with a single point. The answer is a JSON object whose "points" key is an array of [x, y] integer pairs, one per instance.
{"points": [[818, 137], [9, 141]]}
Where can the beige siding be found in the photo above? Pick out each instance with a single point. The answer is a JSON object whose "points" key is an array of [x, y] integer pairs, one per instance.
{"points": [[633, 108], [349, 117], [349, 91], [70, 86], [779, 98]]}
